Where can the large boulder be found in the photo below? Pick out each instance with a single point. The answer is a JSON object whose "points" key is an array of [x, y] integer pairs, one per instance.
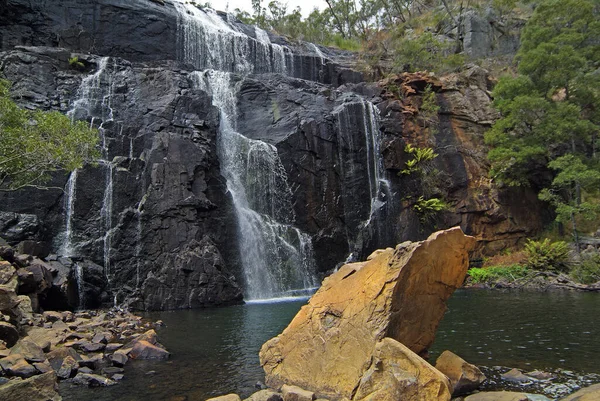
{"points": [[401, 294], [37, 388]]}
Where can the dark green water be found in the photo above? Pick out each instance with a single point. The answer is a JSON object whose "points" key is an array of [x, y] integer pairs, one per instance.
{"points": [[216, 351]]}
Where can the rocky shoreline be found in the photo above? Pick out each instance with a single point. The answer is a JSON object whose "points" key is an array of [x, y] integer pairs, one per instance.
{"points": [[39, 348], [538, 281]]}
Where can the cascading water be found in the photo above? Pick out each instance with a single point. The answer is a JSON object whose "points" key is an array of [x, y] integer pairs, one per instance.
{"points": [[94, 103], [277, 258], [80, 290], [66, 248], [358, 133]]}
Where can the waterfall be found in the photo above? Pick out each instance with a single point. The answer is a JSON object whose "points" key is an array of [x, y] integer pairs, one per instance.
{"points": [[359, 146], [277, 258], [93, 103], [80, 290], [66, 248]]}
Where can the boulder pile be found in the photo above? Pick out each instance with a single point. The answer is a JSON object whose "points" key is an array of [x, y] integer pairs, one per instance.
{"points": [[38, 347]]}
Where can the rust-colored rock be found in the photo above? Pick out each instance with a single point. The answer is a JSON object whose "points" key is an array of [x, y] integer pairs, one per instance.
{"points": [[401, 294], [464, 377]]}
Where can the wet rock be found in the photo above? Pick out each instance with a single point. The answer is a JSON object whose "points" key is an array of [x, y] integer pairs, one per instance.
{"points": [[265, 395], [16, 365], [68, 368], [540, 375], [497, 396], [329, 344], [92, 380], [591, 393], [464, 377], [8, 334], [228, 397], [29, 350], [515, 375], [398, 373], [85, 369], [295, 393], [145, 350], [117, 377], [38, 388]]}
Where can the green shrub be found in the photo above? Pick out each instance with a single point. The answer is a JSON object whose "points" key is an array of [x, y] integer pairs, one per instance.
{"points": [[547, 255], [493, 273], [420, 156], [588, 271], [76, 64]]}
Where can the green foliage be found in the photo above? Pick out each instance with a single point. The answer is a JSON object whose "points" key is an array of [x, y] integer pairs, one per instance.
{"points": [[419, 157], [76, 64], [550, 111], [547, 255], [33, 144], [588, 271], [494, 273], [425, 52], [429, 207]]}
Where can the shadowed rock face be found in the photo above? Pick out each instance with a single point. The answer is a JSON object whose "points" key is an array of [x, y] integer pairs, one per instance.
{"points": [[400, 294]]}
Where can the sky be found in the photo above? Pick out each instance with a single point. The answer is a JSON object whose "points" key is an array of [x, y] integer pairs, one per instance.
{"points": [[306, 5]]}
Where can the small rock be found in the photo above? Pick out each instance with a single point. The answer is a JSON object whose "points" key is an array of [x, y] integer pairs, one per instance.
{"points": [[228, 397], [92, 380], [85, 369], [91, 347], [295, 393], [8, 298], [539, 375], [41, 387], [515, 376], [119, 359], [29, 350], [58, 355], [497, 396], [68, 368], [59, 325], [111, 347], [99, 338], [52, 316], [464, 377], [16, 365], [91, 361], [145, 350], [8, 334], [111, 370], [117, 376], [265, 395]]}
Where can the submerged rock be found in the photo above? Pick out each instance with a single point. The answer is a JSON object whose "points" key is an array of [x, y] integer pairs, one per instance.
{"points": [[328, 347]]}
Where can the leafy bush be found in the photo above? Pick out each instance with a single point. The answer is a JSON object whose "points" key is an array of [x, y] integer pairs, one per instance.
{"points": [[425, 52], [493, 273], [547, 255], [76, 64], [420, 156], [588, 271]]}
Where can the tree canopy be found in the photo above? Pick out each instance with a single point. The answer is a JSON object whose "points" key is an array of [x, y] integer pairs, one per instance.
{"points": [[550, 109], [34, 144]]}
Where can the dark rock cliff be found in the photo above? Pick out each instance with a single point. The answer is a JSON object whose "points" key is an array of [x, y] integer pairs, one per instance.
{"points": [[156, 212]]}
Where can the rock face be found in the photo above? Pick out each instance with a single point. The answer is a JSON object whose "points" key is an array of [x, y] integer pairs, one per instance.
{"points": [[330, 344], [37, 388], [155, 217]]}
